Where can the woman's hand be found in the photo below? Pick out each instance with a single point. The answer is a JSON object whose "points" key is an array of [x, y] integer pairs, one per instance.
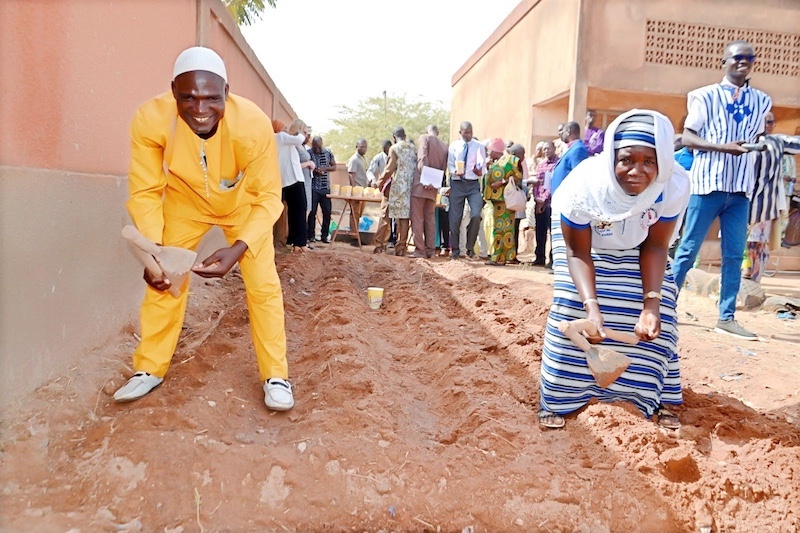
{"points": [[649, 325], [220, 262], [596, 318], [497, 184]]}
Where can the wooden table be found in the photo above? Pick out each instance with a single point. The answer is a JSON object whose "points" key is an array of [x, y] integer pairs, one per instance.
{"points": [[348, 201]]}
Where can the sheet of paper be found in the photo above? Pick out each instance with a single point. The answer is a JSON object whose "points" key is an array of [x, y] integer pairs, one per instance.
{"points": [[431, 176], [548, 179]]}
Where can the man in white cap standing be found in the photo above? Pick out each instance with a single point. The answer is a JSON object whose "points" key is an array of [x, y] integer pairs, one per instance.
{"points": [[201, 157]]}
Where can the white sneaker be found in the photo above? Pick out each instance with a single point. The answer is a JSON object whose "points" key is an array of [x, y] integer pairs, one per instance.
{"points": [[278, 394], [140, 384]]}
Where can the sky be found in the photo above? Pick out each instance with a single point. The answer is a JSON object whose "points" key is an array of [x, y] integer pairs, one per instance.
{"points": [[326, 53]]}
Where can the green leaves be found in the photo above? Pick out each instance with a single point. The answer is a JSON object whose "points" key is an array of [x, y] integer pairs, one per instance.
{"points": [[374, 118], [246, 12]]}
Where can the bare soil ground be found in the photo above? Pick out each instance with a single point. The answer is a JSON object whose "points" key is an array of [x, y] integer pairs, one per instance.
{"points": [[416, 417]]}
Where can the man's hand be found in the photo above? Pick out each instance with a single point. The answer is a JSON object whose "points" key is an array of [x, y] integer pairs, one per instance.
{"points": [[649, 325], [158, 283], [220, 262], [734, 148]]}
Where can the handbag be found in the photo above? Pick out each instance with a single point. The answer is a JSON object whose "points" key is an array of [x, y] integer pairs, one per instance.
{"points": [[514, 197]]}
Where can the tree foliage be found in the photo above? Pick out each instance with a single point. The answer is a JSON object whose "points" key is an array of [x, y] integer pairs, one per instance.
{"points": [[246, 12], [374, 118]]}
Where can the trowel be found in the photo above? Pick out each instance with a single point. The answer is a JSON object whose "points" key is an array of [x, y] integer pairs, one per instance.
{"points": [[605, 364], [170, 261]]}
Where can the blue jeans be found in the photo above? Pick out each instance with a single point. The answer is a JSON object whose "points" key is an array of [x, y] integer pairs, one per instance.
{"points": [[733, 211]]}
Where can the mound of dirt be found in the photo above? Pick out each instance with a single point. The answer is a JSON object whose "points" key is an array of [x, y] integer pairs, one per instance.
{"points": [[420, 416]]}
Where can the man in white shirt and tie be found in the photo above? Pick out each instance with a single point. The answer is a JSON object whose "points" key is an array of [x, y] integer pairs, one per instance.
{"points": [[466, 160]]}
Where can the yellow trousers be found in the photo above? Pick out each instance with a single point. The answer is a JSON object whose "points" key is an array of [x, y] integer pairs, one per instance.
{"points": [[162, 314]]}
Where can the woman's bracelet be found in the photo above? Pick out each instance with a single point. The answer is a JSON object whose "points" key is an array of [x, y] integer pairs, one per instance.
{"points": [[590, 300]]}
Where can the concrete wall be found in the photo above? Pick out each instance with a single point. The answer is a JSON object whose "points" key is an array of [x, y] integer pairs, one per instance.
{"points": [[619, 78], [616, 31], [528, 60], [73, 74]]}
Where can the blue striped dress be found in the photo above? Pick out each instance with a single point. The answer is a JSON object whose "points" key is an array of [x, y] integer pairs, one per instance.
{"points": [[653, 378]]}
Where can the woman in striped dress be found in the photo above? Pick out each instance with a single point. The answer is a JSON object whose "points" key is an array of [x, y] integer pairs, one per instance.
{"points": [[618, 214]]}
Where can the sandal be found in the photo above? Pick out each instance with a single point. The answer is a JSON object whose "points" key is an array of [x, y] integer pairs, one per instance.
{"points": [[667, 419], [550, 420]]}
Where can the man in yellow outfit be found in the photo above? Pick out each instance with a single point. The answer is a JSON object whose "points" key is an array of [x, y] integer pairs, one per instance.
{"points": [[201, 157]]}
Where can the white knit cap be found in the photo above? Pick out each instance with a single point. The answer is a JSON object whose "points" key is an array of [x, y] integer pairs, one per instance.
{"points": [[199, 58]]}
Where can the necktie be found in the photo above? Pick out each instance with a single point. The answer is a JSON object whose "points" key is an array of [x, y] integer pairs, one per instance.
{"points": [[466, 153]]}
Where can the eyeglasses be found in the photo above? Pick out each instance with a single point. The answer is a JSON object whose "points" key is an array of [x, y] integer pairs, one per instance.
{"points": [[770, 122], [740, 57]]}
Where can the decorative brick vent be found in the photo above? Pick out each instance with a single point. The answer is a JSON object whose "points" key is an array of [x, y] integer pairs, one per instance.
{"points": [[701, 46]]}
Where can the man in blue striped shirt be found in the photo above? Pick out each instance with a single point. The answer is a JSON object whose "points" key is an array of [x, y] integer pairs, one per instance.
{"points": [[721, 118]]}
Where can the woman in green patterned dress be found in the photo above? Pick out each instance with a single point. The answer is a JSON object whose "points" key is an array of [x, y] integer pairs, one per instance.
{"points": [[505, 167]]}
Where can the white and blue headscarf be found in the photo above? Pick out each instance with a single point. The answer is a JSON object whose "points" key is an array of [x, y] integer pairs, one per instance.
{"points": [[591, 189], [635, 130]]}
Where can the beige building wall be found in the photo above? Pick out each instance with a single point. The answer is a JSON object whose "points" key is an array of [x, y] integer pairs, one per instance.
{"points": [[73, 74], [528, 60], [615, 40]]}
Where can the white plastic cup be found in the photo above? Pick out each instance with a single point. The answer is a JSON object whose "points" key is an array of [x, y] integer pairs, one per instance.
{"points": [[375, 297]]}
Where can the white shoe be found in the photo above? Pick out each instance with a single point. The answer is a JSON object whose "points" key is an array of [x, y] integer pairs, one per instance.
{"points": [[140, 384], [278, 394]]}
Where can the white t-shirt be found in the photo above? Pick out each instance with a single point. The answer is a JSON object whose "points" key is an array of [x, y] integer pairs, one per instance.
{"points": [[631, 232]]}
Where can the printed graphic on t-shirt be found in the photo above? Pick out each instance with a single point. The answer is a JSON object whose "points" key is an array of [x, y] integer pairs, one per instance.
{"points": [[648, 218], [604, 229]]}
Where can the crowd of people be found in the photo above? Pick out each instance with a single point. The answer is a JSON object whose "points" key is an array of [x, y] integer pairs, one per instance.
{"points": [[607, 207], [442, 218]]}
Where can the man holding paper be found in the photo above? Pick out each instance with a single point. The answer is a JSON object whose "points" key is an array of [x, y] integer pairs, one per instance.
{"points": [[431, 163]]}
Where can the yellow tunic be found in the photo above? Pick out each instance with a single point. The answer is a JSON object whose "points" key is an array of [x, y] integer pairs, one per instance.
{"points": [[177, 195], [242, 186]]}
